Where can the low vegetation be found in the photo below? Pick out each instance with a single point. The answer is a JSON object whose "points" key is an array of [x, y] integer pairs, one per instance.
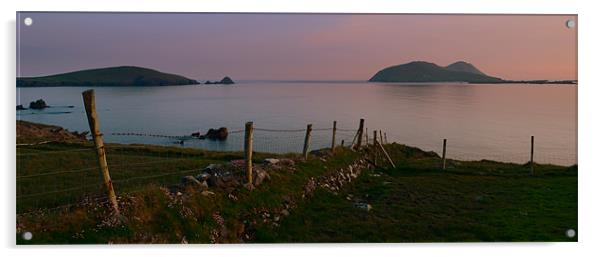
{"points": [[414, 202], [107, 77], [418, 202]]}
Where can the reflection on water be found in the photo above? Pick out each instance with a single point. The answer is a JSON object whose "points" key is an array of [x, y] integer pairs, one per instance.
{"points": [[479, 121]]}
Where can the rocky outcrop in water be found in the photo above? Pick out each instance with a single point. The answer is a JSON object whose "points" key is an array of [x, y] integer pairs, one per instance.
{"points": [[217, 134], [38, 104], [213, 134], [225, 81]]}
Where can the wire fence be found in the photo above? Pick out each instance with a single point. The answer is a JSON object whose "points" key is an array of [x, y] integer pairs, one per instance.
{"points": [[267, 140], [50, 176], [58, 175]]}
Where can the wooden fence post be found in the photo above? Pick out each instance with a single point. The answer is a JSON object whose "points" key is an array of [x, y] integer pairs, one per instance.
{"points": [[381, 136], [90, 105], [444, 152], [307, 140], [374, 142], [375, 138], [334, 134], [386, 141], [367, 141], [531, 162], [343, 142], [249, 151], [360, 135]]}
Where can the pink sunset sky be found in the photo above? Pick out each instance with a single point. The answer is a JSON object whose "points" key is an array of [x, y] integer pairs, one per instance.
{"points": [[297, 46]]}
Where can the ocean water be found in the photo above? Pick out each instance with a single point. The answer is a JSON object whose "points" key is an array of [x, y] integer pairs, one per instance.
{"points": [[479, 121]]}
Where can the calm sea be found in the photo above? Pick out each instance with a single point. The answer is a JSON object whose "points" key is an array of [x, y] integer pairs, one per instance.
{"points": [[479, 121]]}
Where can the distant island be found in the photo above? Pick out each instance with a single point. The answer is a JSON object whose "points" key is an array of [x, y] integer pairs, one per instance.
{"points": [[225, 81], [107, 77], [421, 71]]}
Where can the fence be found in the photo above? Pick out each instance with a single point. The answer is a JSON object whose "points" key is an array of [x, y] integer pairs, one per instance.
{"points": [[61, 175]]}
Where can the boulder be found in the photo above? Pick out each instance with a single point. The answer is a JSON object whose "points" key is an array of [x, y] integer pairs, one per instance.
{"points": [[284, 212], [38, 104], [287, 162], [207, 193], [259, 176], [203, 176], [364, 206], [20, 107], [212, 181], [192, 181], [249, 186], [230, 185], [212, 169], [217, 134], [271, 161], [239, 163]]}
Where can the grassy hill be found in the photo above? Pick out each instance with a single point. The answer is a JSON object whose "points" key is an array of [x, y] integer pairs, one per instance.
{"points": [[113, 76], [415, 202], [420, 71], [464, 67]]}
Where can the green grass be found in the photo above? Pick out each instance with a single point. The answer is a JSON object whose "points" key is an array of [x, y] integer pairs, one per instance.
{"points": [[150, 216], [57, 174], [418, 202], [415, 202]]}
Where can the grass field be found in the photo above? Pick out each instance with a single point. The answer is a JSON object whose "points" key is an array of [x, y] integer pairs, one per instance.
{"points": [[415, 202], [413, 206]]}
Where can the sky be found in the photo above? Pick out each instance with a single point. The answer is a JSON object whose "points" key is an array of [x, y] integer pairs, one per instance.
{"points": [[295, 46]]}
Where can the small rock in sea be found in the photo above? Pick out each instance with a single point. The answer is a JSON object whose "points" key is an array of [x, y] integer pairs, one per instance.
{"points": [[226, 80], [38, 104], [217, 134], [20, 107]]}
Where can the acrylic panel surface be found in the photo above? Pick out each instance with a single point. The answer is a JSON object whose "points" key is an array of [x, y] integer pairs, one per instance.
{"points": [[469, 128]]}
